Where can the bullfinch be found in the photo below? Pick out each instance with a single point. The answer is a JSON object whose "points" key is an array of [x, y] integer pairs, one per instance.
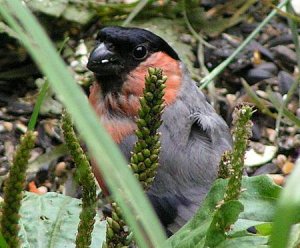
{"points": [[193, 136]]}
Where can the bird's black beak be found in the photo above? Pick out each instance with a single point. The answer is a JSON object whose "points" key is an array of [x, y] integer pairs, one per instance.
{"points": [[102, 60]]}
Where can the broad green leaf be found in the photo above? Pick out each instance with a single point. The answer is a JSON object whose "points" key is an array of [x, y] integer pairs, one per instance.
{"points": [[259, 199], [228, 214], [259, 195], [264, 229], [251, 241], [3, 243], [51, 220]]}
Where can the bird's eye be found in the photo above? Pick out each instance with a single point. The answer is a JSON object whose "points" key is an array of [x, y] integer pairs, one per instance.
{"points": [[140, 52]]}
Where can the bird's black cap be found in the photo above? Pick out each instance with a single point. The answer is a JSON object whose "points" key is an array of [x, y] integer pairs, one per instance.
{"points": [[129, 38], [119, 50]]}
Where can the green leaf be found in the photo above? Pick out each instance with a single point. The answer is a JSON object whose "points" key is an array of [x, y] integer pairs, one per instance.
{"points": [[252, 241], [51, 220], [259, 195], [3, 243], [264, 229], [228, 213], [287, 212]]}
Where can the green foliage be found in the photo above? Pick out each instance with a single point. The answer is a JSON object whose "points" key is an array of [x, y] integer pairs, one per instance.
{"points": [[280, 106], [37, 106], [51, 220], [287, 212], [225, 215], [13, 190], [225, 167], [229, 208], [258, 198]]}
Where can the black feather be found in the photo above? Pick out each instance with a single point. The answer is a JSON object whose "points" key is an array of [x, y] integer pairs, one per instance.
{"points": [[127, 39]]}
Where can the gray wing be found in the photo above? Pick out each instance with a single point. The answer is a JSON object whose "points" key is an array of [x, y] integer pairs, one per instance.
{"points": [[193, 139]]}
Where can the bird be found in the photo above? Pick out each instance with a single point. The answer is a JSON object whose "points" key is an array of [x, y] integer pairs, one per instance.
{"points": [[193, 136]]}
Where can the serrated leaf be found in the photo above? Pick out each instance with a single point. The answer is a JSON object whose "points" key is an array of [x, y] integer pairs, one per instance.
{"points": [[51, 220]]}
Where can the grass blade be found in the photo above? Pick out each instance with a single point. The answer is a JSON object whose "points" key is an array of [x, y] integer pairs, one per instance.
{"points": [[37, 106], [256, 100], [278, 105]]}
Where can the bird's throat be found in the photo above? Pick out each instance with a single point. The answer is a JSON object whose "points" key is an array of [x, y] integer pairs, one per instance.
{"points": [[109, 83]]}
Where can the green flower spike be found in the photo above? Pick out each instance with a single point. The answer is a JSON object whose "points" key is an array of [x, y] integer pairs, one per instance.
{"points": [[144, 159], [145, 155], [86, 180], [228, 210], [13, 190], [241, 133]]}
